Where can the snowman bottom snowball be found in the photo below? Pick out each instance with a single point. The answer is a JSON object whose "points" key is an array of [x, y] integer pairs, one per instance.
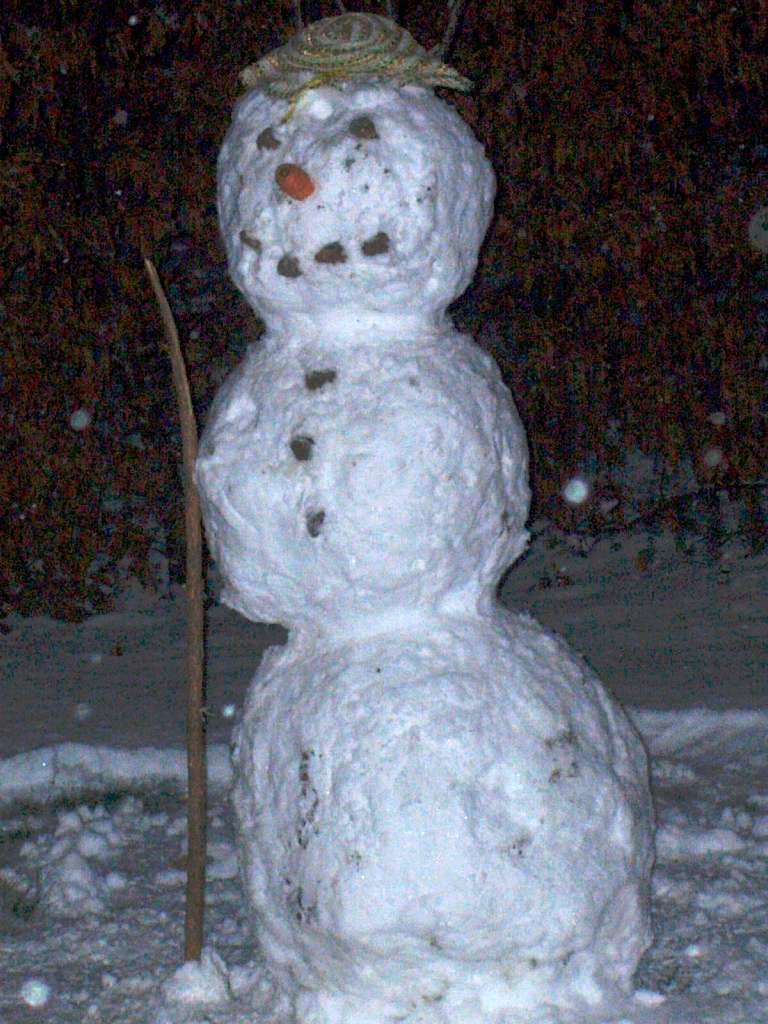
{"points": [[449, 823]]}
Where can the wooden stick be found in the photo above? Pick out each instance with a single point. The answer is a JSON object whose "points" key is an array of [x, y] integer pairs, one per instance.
{"points": [[297, 15], [196, 759], [455, 8]]}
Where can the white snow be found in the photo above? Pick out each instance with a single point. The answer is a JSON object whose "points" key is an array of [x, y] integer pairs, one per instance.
{"points": [[430, 801], [51, 772], [365, 458], [202, 983]]}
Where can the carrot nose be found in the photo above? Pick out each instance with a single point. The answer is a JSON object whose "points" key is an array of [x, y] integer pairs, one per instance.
{"points": [[294, 181]]}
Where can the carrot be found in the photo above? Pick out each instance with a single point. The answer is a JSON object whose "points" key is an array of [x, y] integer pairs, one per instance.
{"points": [[294, 181]]}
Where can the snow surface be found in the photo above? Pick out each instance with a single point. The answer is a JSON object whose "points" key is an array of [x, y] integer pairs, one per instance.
{"points": [[118, 806]]}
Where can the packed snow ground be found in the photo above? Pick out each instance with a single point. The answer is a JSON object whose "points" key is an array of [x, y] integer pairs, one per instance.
{"points": [[92, 821]]}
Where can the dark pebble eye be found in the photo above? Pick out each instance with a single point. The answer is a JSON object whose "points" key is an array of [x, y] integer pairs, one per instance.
{"points": [[251, 241], [302, 446], [363, 128], [315, 379], [288, 266], [267, 139], [376, 245], [331, 253], [315, 522]]}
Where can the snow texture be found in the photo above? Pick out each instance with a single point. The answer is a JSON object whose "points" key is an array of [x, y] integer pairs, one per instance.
{"points": [[442, 815], [199, 983]]}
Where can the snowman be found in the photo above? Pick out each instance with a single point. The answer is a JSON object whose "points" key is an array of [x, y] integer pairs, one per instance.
{"points": [[442, 815]]}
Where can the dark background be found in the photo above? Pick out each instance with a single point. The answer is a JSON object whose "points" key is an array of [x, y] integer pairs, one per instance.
{"points": [[618, 288]]}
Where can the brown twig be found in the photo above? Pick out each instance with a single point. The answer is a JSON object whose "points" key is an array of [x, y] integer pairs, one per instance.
{"points": [[455, 7], [297, 15], [196, 760]]}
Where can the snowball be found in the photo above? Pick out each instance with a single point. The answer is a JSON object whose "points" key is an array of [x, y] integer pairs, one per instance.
{"points": [[80, 419], [35, 993], [403, 198], [457, 809], [349, 479], [199, 983]]}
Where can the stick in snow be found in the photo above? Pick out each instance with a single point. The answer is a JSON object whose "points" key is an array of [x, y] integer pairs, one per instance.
{"points": [[196, 770]]}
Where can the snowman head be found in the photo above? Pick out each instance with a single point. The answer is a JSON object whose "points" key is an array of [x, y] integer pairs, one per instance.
{"points": [[358, 192]]}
